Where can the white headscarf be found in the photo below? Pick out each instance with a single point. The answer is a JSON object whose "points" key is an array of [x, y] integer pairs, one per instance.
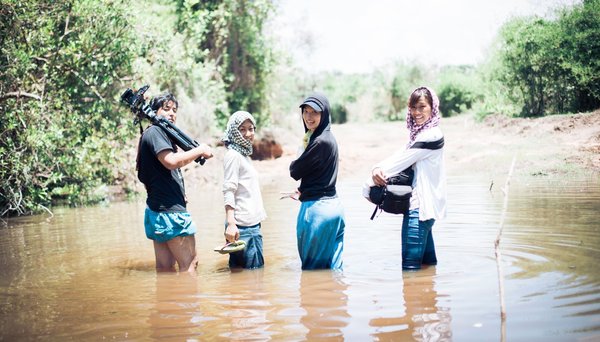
{"points": [[233, 138]]}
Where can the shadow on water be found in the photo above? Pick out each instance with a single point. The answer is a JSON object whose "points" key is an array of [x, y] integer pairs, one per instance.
{"points": [[88, 273]]}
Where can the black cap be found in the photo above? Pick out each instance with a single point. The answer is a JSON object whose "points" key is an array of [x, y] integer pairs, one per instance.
{"points": [[313, 104]]}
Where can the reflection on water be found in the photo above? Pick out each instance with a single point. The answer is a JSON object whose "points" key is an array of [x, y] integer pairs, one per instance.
{"points": [[427, 320], [323, 321], [88, 274], [177, 311], [421, 318]]}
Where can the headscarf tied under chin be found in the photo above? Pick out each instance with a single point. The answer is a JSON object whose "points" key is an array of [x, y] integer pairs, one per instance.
{"points": [[433, 121], [233, 138]]}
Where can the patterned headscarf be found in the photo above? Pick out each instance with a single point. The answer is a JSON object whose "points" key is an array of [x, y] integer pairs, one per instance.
{"points": [[433, 121], [233, 138]]}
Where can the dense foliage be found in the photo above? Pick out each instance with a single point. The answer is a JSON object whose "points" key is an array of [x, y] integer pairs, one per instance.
{"points": [[458, 89], [232, 38], [64, 63], [551, 66], [60, 130]]}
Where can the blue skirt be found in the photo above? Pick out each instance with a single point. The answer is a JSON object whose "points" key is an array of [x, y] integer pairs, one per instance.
{"points": [[320, 233]]}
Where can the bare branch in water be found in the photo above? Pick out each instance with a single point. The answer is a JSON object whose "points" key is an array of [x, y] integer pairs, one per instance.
{"points": [[497, 250], [48, 211]]}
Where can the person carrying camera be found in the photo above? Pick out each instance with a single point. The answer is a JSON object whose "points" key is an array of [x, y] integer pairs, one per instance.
{"points": [[166, 219]]}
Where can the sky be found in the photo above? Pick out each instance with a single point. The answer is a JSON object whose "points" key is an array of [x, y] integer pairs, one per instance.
{"points": [[359, 35]]}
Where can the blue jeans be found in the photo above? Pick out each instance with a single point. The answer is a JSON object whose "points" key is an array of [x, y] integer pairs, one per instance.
{"points": [[252, 255], [417, 242]]}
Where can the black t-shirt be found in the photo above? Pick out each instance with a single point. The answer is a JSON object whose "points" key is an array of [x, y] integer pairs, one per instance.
{"points": [[165, 188]]}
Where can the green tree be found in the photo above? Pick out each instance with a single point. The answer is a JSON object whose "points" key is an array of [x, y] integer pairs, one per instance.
{"points": [[64, 64], [60, 61], [523, 67], [552, 66], [458, 89], [405, 80], [580, 52], [232, 38]]}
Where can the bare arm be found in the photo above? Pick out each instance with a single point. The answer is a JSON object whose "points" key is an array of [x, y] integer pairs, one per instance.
{"points": [[232, 233], [174, 160], [378, 176]]}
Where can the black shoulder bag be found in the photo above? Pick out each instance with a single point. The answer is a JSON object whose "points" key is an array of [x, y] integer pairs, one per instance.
{"points": [[394, 197]]}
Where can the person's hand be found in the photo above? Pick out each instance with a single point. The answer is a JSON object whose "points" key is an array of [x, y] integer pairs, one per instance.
{"points": [[232, 233], [295, 195], [378, 177], [206, 151]]}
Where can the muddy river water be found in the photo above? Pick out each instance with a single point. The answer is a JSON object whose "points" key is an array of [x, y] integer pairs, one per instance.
{"points": [[88, 273]]}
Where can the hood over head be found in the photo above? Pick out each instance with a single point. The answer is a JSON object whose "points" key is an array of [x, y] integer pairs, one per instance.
{"points": [[318, 102]]}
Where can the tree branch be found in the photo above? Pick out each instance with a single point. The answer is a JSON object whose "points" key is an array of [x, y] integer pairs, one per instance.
{"points": [[499, 256], [18, 94], [91, 86]]}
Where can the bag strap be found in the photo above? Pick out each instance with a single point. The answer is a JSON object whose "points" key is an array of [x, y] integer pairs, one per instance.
{"points": [[374, 212], [429, 145]]}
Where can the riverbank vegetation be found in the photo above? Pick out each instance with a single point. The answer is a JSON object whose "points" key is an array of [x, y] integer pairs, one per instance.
{"points": [[64, 136]]}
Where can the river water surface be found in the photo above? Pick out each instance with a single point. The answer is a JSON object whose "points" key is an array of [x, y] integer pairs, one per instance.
{"points": [[88, 273]]}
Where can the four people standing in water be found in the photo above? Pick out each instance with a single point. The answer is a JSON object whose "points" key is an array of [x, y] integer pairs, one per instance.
{"points": [[320, 222]]}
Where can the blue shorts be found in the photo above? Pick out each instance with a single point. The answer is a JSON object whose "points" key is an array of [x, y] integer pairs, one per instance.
{"points": [[162, 227]]}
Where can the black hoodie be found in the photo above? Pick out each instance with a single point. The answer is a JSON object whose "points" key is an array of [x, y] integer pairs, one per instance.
{"points": [[317, 167]]}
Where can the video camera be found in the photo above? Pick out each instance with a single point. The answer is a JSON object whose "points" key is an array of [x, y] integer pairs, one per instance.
{"points": [[137, 104]]}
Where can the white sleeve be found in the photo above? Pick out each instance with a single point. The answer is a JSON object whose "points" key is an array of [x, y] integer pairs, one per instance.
{"points": [[366, 188], [231, 173], [400, 160]]}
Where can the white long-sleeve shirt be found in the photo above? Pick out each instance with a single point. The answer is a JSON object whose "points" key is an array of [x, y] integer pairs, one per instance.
{"points": [[429, 184], [241, 189]]}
